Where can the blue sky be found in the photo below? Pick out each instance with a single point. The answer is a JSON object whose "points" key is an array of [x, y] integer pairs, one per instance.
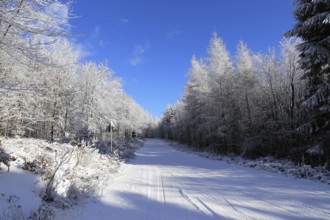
{"points": [[149, 43]]}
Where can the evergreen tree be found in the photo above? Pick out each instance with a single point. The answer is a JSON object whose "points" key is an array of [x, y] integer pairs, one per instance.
{"points": [[313, 27]]}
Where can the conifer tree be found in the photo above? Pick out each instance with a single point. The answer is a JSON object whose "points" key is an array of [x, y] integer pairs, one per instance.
{"points": [[313, 27]]}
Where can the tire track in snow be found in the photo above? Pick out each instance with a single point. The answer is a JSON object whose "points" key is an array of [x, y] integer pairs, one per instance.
{"points": [[207, 195], [186, 197], [187, 204], [260, 203], [158, 193], [149, 183], [163, 188], [209, 209]]}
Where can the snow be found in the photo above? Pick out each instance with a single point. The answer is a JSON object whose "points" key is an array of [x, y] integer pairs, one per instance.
{"points": [[286, 167], [18, 189], [270, 164], [78, 178], [316, 150], [162, 182]]}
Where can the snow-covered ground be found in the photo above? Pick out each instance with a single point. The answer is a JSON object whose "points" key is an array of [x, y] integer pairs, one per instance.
{"points": [[18, 193], [164, 183], [286, 167], [82, 173]]}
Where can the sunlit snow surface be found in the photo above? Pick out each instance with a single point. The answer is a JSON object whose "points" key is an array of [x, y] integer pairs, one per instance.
{"points": [[164, 183], [20, 190]]}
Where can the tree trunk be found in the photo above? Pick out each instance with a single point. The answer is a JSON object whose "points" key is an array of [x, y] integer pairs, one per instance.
{"points": [[292, 105], [52, 127], [248, 111]]}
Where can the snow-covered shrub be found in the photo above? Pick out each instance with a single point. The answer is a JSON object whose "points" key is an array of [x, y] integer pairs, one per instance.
{"points": [[84, 134], [45, 164], [79, 190], [50, 189], [75, 175], [5, 158], [301, 172], [74, 193], [124, 149], [42, 165], [30, 166], [102, 146], [44, 212]]}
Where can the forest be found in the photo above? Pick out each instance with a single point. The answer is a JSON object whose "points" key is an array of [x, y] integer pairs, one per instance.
{"points": [[47, 90], [258, 105]]}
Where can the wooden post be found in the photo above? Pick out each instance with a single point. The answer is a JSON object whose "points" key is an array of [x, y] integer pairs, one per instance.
{"points": [[112, 126], [111, 137]]}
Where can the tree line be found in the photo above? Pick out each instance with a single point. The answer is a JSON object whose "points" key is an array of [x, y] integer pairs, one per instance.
{"points": [[46, 90], [256, 105], [242, 105]]}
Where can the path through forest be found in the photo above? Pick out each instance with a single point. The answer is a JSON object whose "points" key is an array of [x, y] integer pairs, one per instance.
{"points": [[164, 183]]}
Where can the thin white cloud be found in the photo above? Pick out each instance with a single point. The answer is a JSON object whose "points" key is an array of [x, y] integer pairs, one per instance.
{"points": [[103, 43], [173, 34], [138, 54], [96, 32], [96, 37], [124, 20]]}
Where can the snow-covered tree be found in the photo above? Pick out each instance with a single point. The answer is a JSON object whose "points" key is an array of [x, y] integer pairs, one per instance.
{"points": [[167, 123], [247, 106], [196, 97], [224, 112], [292, 85], [313, 27], [27, 24], [246, 80]]}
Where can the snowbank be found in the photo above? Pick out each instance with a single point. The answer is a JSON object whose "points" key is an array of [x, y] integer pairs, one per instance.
{"points": [[286, 167]]}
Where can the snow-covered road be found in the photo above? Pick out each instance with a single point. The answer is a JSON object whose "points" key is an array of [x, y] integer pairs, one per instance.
{"points": [[164, 183]]}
